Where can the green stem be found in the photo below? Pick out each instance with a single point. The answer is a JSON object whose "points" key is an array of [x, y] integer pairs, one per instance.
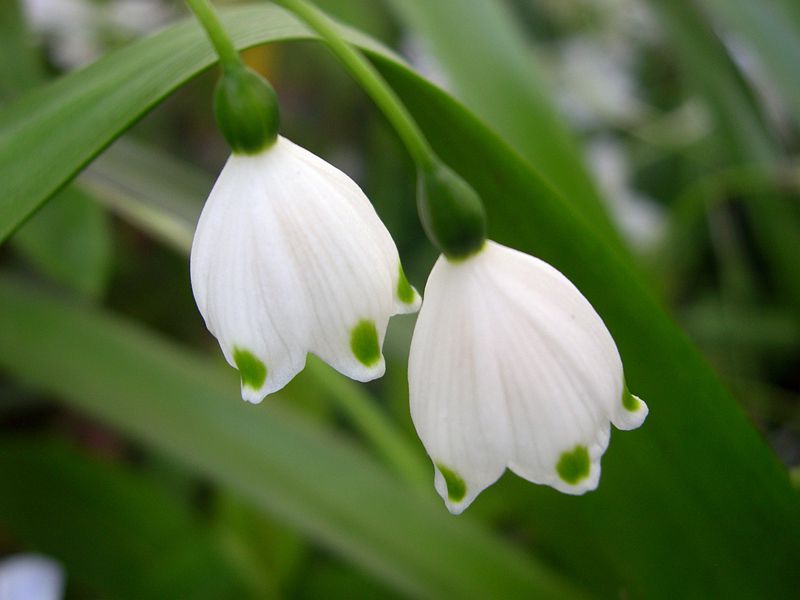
{"points": [[370, 80], [380, 433], [223, 45]]}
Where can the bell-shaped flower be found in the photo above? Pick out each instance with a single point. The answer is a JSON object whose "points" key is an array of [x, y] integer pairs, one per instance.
{"points": [[290, 257], [511, 367]]}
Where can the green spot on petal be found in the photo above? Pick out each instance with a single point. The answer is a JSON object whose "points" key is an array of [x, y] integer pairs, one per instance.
{"points": [[630, 402], [364, 343], [573, 466], [456, 488], [404, 290], [252, 370]]}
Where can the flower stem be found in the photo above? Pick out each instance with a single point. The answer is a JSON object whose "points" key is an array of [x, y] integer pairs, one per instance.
{"points": [[205, 13], [369, 78], [378, 430]]}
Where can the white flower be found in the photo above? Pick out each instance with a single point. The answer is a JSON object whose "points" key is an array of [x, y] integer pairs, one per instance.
{"points": [[289, 257], [77, 31], [595, 83], [511, 367], [639, 217], [71, 29], [30, 577]]}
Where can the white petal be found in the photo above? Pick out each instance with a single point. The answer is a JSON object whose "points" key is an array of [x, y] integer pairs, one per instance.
{"points": [[631, 413], [510, 366], [348, 272], [244, 281], [373, 228], [289, 257], [561, 369], [30, 577], [454, 386]]}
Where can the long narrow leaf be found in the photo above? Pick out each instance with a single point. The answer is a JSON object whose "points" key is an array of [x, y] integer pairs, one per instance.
{"points": [[773, 34], [189, 408], [70, 240], [496, 74], [116, 533]]}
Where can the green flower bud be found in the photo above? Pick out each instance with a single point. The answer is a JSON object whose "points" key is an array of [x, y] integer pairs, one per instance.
{"points": [[246, 109], [451, 212]]}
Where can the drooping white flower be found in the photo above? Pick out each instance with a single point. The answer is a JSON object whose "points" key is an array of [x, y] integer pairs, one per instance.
{"points": [[511, 367], [32, 577], [290, 257]]}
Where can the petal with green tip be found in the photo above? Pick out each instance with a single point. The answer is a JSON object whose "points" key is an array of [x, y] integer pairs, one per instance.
{"points": [[511, 367], [288, 257]]}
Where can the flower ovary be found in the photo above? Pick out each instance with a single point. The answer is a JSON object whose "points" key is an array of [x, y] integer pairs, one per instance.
{"points": [[246, 110]]}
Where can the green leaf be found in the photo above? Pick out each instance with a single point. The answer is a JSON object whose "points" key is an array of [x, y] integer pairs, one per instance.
{"points": [[19, 68], [189, 408], [496, 74], [149, 188], [770, 31], [740, 135], [116, 534], [267, 550], [48, 135], [695, 491], [663, 485], [739, 129], [69, 240]]}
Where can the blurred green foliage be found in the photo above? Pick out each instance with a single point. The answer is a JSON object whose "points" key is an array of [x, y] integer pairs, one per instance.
{"points": [[124, 452]]}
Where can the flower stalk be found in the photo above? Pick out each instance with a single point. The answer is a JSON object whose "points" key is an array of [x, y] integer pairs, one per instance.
{"points": [[451, 212], [369, 78], [209, 19], [245, 104]]}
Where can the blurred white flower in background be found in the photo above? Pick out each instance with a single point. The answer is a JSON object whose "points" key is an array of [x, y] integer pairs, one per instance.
{"points": [[594, 73], [594, 83], [78, 31], [30, 577], [641, 219], [618, 18], [633, 19], [416, 50], [766, 92], [69, 26], [137, 16]]}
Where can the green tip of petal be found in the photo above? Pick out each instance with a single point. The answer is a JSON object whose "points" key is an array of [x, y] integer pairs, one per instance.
{"points": [[252, 371], [574, 465], [456, 488], [405, 292], [630, 402], [364, 343]]}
